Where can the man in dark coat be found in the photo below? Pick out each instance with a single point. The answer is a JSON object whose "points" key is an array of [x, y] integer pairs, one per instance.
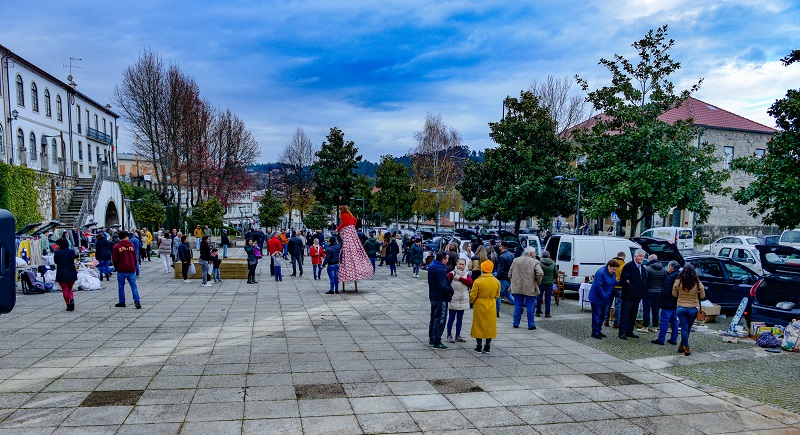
{"points": [[668, 305], [439, 292], [504, 261], [372, 247], [296, 251], [634, 285], [656, 272]]}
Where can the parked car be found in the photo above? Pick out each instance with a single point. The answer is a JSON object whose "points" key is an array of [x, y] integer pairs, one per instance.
{"points": [[790, 238], [772, 240], [726, 281], [775, 298], [743, 254], [580, 256], [436, 243], [681, 236], [526, 240], [733, 240]]}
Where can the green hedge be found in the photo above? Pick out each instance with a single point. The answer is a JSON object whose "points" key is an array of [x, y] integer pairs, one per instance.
{"points": [[19, 193]]}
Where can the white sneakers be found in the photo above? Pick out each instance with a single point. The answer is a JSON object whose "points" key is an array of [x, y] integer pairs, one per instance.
{"points": [[187, 280], [208, 284]]}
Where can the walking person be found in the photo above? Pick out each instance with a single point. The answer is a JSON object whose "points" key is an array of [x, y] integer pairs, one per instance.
{"points": [[198, 236], [64, 259], [526, 275], [185, 257], [668, 305], [634, 285], [284, 244], [600, 294], [484, 293], [415, 256], [392, 251], [656, 273], [504, 261], [332, 256], [381, 238], [252, 261], [689, 291], [224, 241], [123, 254], [137, 245], [102, 253], [550, 271], [273, 245], [147, 239], [372, 247], [439, 293], [317, 254], [205, 260], [164, 251], [461, 281]]}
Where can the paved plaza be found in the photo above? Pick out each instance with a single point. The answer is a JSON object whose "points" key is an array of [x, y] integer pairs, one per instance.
{"points": [[286, 358]]}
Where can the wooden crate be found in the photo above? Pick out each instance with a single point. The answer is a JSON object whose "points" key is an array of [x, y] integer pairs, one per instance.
{"points": [[231, 268]]}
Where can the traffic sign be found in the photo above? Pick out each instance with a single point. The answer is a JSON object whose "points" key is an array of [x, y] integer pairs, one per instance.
{"points": [[614, 217]]}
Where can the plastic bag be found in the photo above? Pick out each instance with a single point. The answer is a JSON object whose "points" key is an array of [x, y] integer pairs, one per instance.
{"points": [[791, 337], [87, 282], [50, 277], [191, 270], [768, 340]]}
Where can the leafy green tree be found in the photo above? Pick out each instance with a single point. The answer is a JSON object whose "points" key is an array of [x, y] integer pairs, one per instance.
{"points": [[396, 196], [636, 164], [776, 187], [334, 170], [515, 180], [270, 210], [366, 211], [148, 210], [317, 217], [209, 213]]}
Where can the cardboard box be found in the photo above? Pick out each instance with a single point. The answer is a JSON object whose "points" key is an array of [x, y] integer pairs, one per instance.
{"points": [[713, 311]]}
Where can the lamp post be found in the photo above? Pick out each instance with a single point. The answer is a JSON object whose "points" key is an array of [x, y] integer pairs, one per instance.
{"points": [[575, 180], [436, 191], [130, 211], [363, 209]]}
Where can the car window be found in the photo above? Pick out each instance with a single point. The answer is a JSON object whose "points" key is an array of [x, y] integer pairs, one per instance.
{"points": [[685, 234], [524, 242], [792, 236], [736, 271], [753, 241], [648, 233], [633, 252], [565, 251], [724, 252], [710, 268], [741, 255]]}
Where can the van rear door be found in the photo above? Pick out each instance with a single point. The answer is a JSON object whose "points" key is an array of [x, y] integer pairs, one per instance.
{"points": [[588, 258]]}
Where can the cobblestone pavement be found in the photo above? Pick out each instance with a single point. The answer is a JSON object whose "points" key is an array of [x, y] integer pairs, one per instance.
{"points": [[287, 358]]}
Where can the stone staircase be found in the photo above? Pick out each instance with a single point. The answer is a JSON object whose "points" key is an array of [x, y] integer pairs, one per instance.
{"points": [[70, 215]]}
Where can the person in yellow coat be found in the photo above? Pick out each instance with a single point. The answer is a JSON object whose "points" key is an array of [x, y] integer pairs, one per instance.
{"points": [[483, 297]]}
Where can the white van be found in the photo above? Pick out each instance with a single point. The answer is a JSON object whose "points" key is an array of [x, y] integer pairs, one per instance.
{"points": [[790, 238], [526, 240], [581, 256], [681, 236]]}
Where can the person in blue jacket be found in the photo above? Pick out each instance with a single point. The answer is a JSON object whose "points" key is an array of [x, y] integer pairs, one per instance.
{"points": [[600, 294]]}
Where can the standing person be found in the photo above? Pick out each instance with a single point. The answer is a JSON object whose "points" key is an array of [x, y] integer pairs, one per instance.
{"points": [[252, 261], [102, 252], [284, 244], [504, 261], [605, 279], [216, 262], [617, 299], [207, 232], [64, 259], [185, 257], [198, 236], [415, 256], [317, 254], [392, 252], [176, 243], [124, 257], [273, 245], [668, 305], [164, 250], [546, 287], [332, 257], [526, 275], [381, 238], [452, 256], [634, 285], [137, 244], [354, 264], [148, 239], [465, 253], [225, 241], [689, 290], [461, 281], [477, 259], [295, 247], [261, 237], [439, 293], [656, 273], [372, 246], [278, 262], [485, 291], [406, 248], [205, 259]]}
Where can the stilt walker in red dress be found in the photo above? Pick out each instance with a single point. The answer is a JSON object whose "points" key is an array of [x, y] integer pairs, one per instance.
{"points": [[354, 264]]}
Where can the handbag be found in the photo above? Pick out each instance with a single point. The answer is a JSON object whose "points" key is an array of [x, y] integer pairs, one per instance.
{"points": [[191, 270], [257, 252], [701, 315]]}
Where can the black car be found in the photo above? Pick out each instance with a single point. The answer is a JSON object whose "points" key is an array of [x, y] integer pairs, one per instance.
{"points": [[726, 281], [775, 298], [438, 243]]}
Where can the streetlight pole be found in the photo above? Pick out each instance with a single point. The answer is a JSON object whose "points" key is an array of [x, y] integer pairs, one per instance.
{"points": [[574, 180], [436, 191]]}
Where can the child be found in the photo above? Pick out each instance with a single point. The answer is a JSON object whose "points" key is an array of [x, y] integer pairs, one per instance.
{"points": [[461, 281], [317, 255], [277, 258], [216, 261]]}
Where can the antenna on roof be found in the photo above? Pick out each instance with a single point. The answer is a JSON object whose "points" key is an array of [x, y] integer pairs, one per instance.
{"points": [[70, 66]]}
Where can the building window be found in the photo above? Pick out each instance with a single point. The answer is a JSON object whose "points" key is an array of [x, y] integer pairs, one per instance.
{"points": [[47, 112], [2, 141], [20, 92], [122, 170], [89, 152], [95, 122], [87, 120], [80, 150], [59, 112], [21, 145], [32, 143], [78, 112], [34, 97], [727, 153], [104, 126], [760, 152], [54, 147]]}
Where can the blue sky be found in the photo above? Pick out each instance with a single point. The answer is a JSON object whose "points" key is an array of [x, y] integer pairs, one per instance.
{"points": [[374, 69]]}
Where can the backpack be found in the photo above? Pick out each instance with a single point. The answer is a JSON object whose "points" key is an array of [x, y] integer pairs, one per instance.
{"points": [[30, 285]]}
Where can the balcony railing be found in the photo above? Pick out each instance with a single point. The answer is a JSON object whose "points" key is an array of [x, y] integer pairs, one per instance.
{"points": [[98, 136]]}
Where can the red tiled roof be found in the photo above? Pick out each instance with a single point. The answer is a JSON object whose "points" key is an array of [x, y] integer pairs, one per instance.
{"points": [[702, 113]]}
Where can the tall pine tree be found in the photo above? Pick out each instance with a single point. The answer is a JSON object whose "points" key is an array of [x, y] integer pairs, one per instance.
{"points": [[334, 170]]}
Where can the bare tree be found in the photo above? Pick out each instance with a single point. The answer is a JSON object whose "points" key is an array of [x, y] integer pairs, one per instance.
{"points": [[296, 183], [231, 147], [565, 108]]}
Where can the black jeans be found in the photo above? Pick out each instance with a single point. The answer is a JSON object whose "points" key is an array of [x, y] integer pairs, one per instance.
{"points": [[251, 271], [628, 316], [185, 270]]}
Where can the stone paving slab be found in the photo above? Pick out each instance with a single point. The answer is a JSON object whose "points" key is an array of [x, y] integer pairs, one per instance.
{"points": [[283, 357]]}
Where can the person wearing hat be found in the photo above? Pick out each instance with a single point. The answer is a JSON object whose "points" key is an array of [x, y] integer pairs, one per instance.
{"points": [[483, 297]]}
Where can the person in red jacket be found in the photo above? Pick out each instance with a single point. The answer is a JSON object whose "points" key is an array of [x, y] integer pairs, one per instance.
{"points": [[274, 245], [124, 256], [317, 254]]}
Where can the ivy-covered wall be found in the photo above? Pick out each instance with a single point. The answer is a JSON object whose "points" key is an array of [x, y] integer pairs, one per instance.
{"points": [[19, 193]]}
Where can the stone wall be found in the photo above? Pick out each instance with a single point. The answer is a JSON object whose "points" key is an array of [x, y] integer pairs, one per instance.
{"points": [[63, 197]]}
